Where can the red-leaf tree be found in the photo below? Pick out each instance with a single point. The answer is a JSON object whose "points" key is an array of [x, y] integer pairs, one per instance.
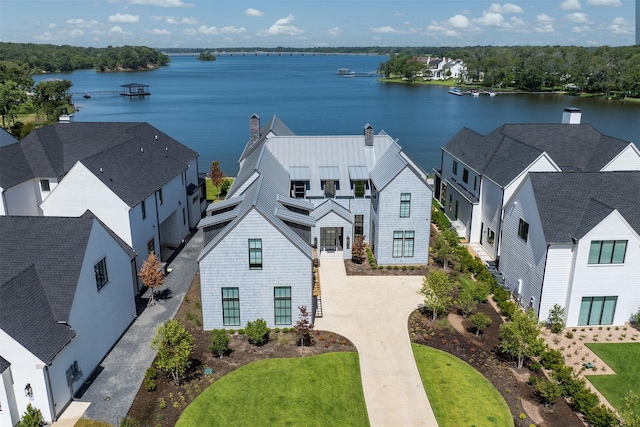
{"points": [[151, 274]]}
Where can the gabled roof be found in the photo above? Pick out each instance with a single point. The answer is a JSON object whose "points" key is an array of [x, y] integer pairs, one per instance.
{"points": [[40, 263], [571, 204], [132, 159], [275, 126], [4, 364], [331, 206], [504, 153]]}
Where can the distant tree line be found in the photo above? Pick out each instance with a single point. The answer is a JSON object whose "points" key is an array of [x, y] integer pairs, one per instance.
{"points": [[537, 68], [52, 58]]}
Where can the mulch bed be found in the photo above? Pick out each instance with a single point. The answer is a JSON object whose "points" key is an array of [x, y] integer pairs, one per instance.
{"points": [[146, 407], [365, 269], [482, 352]]}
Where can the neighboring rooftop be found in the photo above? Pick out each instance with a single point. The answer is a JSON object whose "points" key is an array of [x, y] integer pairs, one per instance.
{"points": [[132, 159], [571, 204], [504, 153]]}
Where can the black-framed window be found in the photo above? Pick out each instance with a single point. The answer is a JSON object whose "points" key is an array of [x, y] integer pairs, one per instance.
{"points": [[160, 198], [100, 269], [607, 251], [299, 189], [465, 175], [491, 236], [455, 167], [330, 187], [44, 185], [282, 305], [230, 307], [597, 310], [403, 243], [475, 182], [358, 225], [255, 254], [151, 246], [374, 198], [523, 229], [359, 188], [405, 205]]}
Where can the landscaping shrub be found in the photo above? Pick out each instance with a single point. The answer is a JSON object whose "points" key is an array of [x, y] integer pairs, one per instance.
{"points": [[480, 322], [149, 382], [584, 399], [556, 318], [31, 418], [508, 309], [465, 302], [535, 366], [551, 358], [548, 391], [129, 422], [500, 295], [219, 342], [636, 317], [601, 416], [257, 331]]}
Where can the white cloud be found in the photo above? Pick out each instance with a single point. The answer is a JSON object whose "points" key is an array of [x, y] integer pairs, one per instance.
{"points": [[158, 3], [254, 12], [46, 36], [214, 31], [581, 29], [159, 32], [77, 33], [399, 13], [81, 23], [490, 19], [118, 31], [124, 18], [614, 3], [621, 27], [387, 29], [459, 21], [545, 28], [176, 20], [543, 17], [578, 17], [505, 8], [571, 5], [282, 27], [52, 26], [335, 31]]}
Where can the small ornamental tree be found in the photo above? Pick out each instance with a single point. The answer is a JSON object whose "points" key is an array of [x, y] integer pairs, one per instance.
{"points": [[215, 173], [630, 417], [548, 391], [519, 336], [480, 322], [556, 318], [465, 302], [174, 345], [219, 342], [358, 253], [151, 274], [257, 331], [437, 290], [31, 418], [445, 248], [303, 326]]}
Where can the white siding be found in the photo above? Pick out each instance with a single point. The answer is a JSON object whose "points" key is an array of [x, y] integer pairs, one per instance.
{"points": [[627, 160], [389, 218], [491, 210], [557, 278], [227, 265], [541, 164], [9, 415], [81, 190], [22, 199], [520, 260], [621, 280]]}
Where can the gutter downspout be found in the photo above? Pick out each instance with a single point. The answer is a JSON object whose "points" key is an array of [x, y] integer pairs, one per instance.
{"points": [[155, 197], [52, 404]]}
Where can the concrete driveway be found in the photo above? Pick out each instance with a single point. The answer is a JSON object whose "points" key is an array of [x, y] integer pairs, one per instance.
{"points": [[372, 312]]}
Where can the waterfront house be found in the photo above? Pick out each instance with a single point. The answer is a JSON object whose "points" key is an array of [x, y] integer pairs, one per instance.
{"points": [[297, 198], [573, 239], [67, 289], [478, 173], [139, 181]]}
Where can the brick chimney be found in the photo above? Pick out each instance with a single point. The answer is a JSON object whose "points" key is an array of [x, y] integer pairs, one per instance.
{"points": [[254, 127], [368, 135], [571, 116]]}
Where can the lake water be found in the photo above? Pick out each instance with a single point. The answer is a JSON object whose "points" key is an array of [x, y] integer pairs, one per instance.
{"points": [[207, 105]]}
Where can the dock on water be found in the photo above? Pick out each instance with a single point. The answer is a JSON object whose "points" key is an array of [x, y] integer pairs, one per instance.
{"points": [[134, 89]]}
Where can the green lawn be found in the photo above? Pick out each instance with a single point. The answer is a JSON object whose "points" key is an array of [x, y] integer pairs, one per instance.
{"points": [[213, 192], [622, 358], [459, 395], [323, 390]]}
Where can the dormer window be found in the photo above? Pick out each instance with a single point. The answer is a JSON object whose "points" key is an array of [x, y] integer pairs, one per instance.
{"points": [[299, 189], [44, 185]]}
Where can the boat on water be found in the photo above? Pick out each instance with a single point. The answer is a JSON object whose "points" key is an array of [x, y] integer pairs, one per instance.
{"points": [[455, 91], [346, 72], [492, 93], [86, 96], [475, 93]]}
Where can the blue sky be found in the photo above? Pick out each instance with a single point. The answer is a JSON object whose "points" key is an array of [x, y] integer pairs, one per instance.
{"points": [[317, 23]]}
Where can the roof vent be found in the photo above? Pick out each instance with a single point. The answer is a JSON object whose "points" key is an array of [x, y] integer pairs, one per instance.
{"points": [[156, 137], [142, 149], [571, 116]]}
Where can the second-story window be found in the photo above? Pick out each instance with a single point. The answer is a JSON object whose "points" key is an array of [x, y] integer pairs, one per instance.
{"points": [[405, 205], [465, 175], [455, 167], [160, 195], [359, 188], [144, 209], [255, 254], [523, 229], [44, 185]]}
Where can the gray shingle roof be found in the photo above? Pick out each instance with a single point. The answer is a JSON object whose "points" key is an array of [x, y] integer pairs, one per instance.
{"points": [[570, 204], [134, 163], [4, 364], [504, 153]]}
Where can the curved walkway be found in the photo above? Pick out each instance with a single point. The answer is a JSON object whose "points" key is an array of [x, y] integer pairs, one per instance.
{"points": [[372, 312]]}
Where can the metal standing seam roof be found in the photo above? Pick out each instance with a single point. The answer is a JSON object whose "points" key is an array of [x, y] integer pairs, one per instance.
{"points": [[331, 206], [223, 204], [299, 173], [358, 173], [329, 173], [571, 204], [389, 166]]}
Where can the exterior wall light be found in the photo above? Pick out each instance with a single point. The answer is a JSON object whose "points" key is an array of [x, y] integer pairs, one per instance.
{"points": [[28, 391]]}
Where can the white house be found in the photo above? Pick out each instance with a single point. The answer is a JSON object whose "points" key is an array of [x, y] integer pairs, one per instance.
{"points": [[444, 68], [573, 239], [66, 297], [479, 173], [296, 193], [139, 181]]}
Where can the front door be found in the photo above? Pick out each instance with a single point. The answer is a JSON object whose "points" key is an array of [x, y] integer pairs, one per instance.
{"points": [[331, 239]]}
